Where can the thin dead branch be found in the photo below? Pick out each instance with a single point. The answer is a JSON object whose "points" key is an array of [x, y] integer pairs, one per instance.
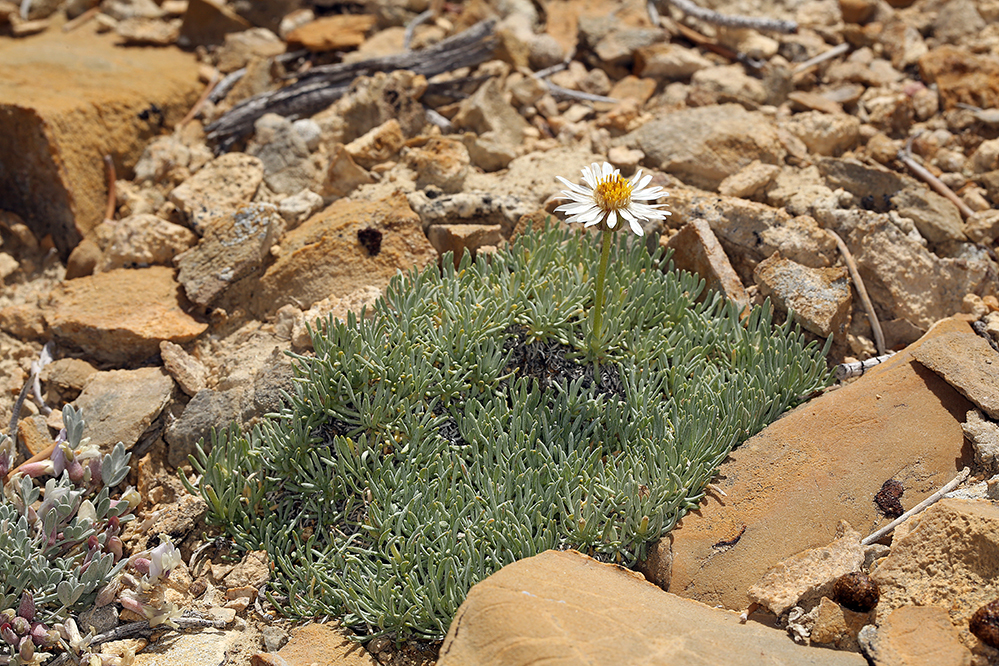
{"points": [[918, 170], [822, 57], [201, 100], [112, 195], [858, 282], [321, 86], [954, 483], [81, 19]]}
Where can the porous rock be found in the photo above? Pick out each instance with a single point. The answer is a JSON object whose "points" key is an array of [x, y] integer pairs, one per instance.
{"points": [[825, 133], [730, 83], [946, 557], [218, 188], [961, 76], [325, 257], [122, 405], [790, 485], [95, 94], [473, 208], [319, 644], [984, 437], [809, 575], [668, 62], [820, 298], [90, 313], [561, 608], [696, 249], [488, 111], [335, 307], [144, 240], [343, 175], [753, 179], [332, 33], [234, 246], [371, 101], [983, 226], [377, 145], [284, 155], [441, 163], [968, 363], [705, 145], [836, 626]]}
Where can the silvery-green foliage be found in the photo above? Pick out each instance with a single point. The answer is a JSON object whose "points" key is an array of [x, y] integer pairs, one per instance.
{"points": [[46, 548], [412, 460]]}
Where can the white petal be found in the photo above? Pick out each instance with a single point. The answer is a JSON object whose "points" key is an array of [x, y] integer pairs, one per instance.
{"points": [[640, 184], [592, 222], [590, 175], [575, 208], [575, 188], [611, 219], [591, 215], [648, 193], [637, 228]]}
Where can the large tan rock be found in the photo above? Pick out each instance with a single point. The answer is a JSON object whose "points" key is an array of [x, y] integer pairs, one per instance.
{"points": [[918, 636], [788, 487], [121, 405], [325, 256], [121, 316], [697, 250], [969, 364], [703, 146], [819, 297], [66, 101], [947, 556], [561, 608]]}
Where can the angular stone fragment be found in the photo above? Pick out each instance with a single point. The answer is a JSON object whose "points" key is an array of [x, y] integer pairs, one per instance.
{"points": [[218, 188], [696, 249], [208, 22], [97, 99], [705, 145], [750, 232], [788, 487], [206, 410], [187, 371], [343, 175], [969, 364], [825, 133], [378, 145], [233, 246], [467, 208], [669, 62], [983, 226], [750, 181], [984, 437], [456, 238], [121, 316], [946, 557], [562, 608], [875, 184], [730, 83], [338, 308], [488, 111], [809, 575], [820, 298], [121, 405], [373, 100], [937, 219], [332, 33], [325, 257]]}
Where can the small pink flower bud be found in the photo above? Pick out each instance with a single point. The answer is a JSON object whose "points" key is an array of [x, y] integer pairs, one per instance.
{"points": [[21, 626], [141, 565], [8, 634], [37, 469], [26, 608], [115, 547], [39, 633]]}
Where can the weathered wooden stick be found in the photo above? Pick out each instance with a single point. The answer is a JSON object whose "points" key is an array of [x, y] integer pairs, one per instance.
{"points": [[858, 282], [954, 483], [905, 157]]}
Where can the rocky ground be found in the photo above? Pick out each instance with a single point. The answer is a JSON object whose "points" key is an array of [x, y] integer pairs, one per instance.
{"points": [[174, 275]]}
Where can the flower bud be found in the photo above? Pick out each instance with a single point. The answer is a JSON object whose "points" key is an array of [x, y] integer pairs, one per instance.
{"points": [[8, 635], [87, 512], [115, 547], [37, 469], [39, 633], [141, 565], [75, 472], [58, 460], [21, 626], [26, 651], [7, 615]]}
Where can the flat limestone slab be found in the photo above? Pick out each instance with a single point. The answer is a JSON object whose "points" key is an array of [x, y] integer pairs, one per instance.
{"points": [[561, 608], [68, 99], [789, 486], [969, 364]]}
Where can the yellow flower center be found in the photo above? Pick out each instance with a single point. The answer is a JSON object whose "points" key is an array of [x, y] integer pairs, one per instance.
{"points": [[614, 193]]}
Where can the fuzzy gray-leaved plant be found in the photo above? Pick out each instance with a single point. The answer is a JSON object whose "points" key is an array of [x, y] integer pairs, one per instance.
{"points": [[460, 429]]}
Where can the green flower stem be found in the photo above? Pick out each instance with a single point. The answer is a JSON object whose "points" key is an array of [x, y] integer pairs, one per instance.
{"points": [[598, 305]]}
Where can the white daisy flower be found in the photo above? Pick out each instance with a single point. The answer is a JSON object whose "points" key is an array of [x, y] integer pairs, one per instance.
{"points": [[608, 198]]}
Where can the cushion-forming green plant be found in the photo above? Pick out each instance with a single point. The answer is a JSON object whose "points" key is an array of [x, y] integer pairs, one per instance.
{"points": [[459, 429]]}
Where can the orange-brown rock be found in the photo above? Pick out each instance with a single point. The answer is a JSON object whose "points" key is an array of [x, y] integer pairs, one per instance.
{"points": [[962, 77], [697, 250], [121, 316], [919, 636], [332, 33], [788, 487], [317, 645], [326, 257], [561, 608], [68, 99]]}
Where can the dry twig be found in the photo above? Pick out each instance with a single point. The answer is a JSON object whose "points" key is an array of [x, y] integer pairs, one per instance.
{"points": [[81, 19], [822, 57], [879, 336], [954, 483], [201, 100], [905, 157], [319, 87], [112, 196]]}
